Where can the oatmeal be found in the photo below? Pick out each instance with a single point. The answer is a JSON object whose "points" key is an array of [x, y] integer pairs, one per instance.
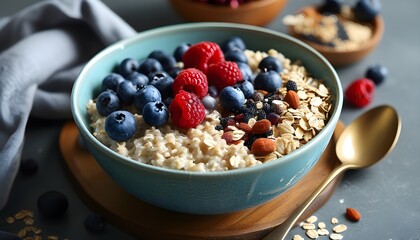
{"points": [[264, 126]]}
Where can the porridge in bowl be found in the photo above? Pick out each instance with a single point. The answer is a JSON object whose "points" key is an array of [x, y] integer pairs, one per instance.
{"points": [[209, 107]]}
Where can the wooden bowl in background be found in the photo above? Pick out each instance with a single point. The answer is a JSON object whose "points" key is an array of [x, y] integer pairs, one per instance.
{"points": [[341, 58], [258, 13]]}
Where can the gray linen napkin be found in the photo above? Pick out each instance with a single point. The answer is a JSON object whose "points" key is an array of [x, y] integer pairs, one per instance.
{"points": [[42, 49]]}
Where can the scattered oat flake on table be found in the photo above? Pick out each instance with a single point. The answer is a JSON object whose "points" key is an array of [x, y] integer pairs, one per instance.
{"points": [[336, 236], [298, 237], [312, 219], [334, 220], [312, 233]]}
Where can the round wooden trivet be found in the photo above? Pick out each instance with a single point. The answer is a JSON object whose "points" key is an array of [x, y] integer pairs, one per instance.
{"points": [[148, 222]]}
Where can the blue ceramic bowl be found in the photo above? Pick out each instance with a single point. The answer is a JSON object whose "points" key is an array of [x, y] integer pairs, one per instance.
{"points": [[210, 192]]}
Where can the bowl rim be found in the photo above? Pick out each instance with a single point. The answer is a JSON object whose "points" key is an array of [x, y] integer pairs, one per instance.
{"points": [[83, 129], [378, 30]]}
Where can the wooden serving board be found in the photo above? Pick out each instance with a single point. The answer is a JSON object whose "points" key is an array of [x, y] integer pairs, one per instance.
{"points": [[148, 222]]}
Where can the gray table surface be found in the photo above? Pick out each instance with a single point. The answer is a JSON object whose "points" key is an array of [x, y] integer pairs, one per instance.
{"points": [[386, 194]]}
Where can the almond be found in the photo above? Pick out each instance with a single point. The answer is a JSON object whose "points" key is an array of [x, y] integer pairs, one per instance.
{"points": [[292, 99], [263, 146], [245, 127], [353, 215], [261, 126]]}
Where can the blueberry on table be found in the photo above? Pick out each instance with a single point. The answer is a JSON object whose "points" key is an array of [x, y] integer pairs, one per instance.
{"points": [[28, 166], [331, 6], [150, 65], [126, 91], [367, 10], [128, 66], [233, 43], [94, 223], [167, 61], [155, 114], [231, 98], [107, 102], [52, 204], [377, 73], [270, 63], [269, 81], [111, 81], [120, 125], [145, 95], [138, 79], [180, 50]]}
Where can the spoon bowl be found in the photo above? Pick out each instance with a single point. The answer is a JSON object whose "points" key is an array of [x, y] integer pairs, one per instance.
{"points": [[359, 145], [366, 141]]}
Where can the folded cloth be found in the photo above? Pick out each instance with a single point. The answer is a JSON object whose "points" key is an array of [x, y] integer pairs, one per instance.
{"points": [[42, 50]]}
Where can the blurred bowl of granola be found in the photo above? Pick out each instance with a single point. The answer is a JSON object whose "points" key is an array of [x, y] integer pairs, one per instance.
{"points": [[344, 34], [253, 12]]}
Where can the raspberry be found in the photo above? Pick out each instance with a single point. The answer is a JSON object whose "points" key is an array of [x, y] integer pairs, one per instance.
{"points": [[360, 92], [187, 110], [224, 74], [201, 55], [191, 80]]}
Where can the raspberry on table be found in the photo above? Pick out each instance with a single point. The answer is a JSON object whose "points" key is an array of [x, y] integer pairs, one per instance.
{"points": [[224, 74], [191, 80], [201, 55], [187, 110], [360, 92]]}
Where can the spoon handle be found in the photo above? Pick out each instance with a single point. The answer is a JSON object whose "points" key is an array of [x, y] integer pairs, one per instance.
{"points": [[280, 232]]}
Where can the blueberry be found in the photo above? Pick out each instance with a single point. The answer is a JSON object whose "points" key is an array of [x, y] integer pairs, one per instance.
{"points": [[236, 55], [209, 102], [331, 6], [180, 50], [145, 95], [107, 102], [291, 85], [150, 65], [120, 125], [128, 66], [231, 98], [246, 71], [377, 73], [155, 113], [269, 81], [28, 166], [111, 81], [247, 88], [163, 82], [167, 101], [138, 79], [52, 204], [213, 91], [174, 72], [167, 61], [126, 91], [270, 63], [273, 118], [367, 10], [94, 223], [233, 43]]}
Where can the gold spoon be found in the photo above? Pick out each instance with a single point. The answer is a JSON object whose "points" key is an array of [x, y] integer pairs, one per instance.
{"points": [[363, 143]]}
